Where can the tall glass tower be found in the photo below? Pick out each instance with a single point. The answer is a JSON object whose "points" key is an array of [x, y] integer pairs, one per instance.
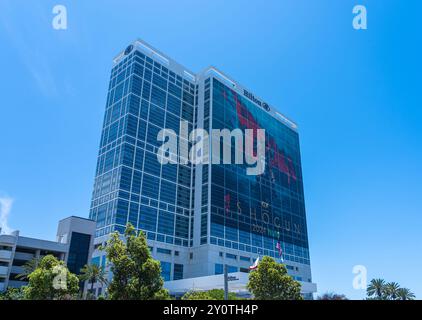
{"points": [[197, 218]]}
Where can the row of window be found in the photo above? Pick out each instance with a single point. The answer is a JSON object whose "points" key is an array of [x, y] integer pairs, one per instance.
{"points": [[144, 97], [166, 271], [247, 210], [297, 256], [138, 61], [165, 268]]}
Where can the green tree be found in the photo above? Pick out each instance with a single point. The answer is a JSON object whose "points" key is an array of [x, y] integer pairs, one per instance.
{"points": [[92, 274], [332, 296], [218, 294], [51, 280], [270, 281], [392, 290], [376, 289], [136, 275], [214, 294], [28, 268], [12, 294], [197, 295], [405, 294]]}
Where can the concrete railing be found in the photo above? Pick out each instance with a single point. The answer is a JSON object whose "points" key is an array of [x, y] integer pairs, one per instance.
{"points": [[7, 239], [24, 256], [3, 271], [5, 255]]}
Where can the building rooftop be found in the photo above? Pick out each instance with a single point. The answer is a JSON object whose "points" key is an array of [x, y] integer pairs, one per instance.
{"points": [[192, 76]]}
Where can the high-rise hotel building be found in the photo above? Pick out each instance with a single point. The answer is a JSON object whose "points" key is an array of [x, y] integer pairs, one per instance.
{"points": [[197, 218]]}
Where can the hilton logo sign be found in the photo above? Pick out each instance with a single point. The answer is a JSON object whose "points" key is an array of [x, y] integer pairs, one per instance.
{"points": [[128, 50], [260, 103]]}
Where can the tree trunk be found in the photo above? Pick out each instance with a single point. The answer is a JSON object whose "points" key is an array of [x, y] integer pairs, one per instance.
{"points": [[92, 290]]}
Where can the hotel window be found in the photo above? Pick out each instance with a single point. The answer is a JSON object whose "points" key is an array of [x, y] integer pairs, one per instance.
{"points": [[232, 269], [165, 223], [231, 256], [164, 251], [178, 271], [204, 225], [165, 270], [182, 226], [218, 269]]}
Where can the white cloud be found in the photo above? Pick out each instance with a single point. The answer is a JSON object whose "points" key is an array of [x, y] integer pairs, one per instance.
{"points": [[5, 207]]}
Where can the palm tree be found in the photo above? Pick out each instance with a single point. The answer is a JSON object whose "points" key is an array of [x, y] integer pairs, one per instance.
{"points": [[405, 294], [392, 290], [93, 273], [28, 268], [376, 288]]}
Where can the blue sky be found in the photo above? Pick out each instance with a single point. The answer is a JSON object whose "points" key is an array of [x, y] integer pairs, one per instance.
{"points": [[356, 96]]}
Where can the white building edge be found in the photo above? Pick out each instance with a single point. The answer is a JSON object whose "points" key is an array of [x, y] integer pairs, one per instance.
{"points": [[237, 284]]}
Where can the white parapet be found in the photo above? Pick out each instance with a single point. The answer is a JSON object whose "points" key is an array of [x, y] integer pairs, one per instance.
{"points": [[5, 255], [3, 271], [237, 283]]}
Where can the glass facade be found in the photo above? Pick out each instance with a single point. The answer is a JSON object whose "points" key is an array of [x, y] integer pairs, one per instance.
{"points": [[166, 270], [130, 184], [78, 252], [252, 213], [240, 215]]}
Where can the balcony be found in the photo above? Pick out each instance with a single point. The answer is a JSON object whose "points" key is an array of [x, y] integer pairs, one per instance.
{"points": [[3, 271], [16, 284], [8, 239], [5, 255], [23, 256], [17, 270]]}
